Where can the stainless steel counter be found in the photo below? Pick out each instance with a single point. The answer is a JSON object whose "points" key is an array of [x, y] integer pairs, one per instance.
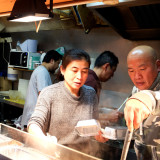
{"points": [[110, 150], [22, 142], [24, 145]]}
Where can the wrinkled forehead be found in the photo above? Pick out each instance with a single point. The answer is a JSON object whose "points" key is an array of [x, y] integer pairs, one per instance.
{"points": [[139, 61]]}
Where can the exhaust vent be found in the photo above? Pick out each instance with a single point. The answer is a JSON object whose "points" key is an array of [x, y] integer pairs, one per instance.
{"points": [[133, 20]]}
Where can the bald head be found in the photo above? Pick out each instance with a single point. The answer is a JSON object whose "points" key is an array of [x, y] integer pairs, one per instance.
{"points": [[143, 51]]}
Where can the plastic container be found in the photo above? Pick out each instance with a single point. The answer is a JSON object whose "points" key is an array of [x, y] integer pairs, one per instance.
{"points": [[115, 132], [29, 45], [14, 95], [88, 127], [32, 62], [12, 74]]}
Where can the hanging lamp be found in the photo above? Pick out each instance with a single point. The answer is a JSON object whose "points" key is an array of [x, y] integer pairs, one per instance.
{"points": [[30, 10]]}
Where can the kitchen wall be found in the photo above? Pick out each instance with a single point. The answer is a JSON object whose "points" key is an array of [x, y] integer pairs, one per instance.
{"points": [[98, 40]]}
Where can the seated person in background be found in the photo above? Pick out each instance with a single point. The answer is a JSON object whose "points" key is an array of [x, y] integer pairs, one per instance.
{"points": [[60, 106], [40, 79], [104, 68], [142, 110]]}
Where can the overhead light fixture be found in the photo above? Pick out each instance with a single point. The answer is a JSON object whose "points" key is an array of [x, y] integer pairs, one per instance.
{"points": [[30, 10]]}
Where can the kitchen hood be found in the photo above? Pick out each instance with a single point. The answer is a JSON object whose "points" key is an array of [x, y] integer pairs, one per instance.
{"points": [[132, 19]]}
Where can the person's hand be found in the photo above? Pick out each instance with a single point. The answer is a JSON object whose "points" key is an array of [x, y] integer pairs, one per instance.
{"points": [[135, 112], [35, 130], [113, 116], [100, 138], [52, 138], [120, 114]]}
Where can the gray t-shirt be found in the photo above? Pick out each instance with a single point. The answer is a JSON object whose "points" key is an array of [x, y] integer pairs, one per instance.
{"points": [[58, 111], [40, 79]]}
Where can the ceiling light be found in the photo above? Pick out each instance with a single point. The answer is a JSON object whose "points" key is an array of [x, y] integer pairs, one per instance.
{"points": [[30, 10]]}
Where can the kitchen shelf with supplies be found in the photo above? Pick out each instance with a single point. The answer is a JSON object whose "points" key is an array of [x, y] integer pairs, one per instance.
{"points": [[21, 69]]}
